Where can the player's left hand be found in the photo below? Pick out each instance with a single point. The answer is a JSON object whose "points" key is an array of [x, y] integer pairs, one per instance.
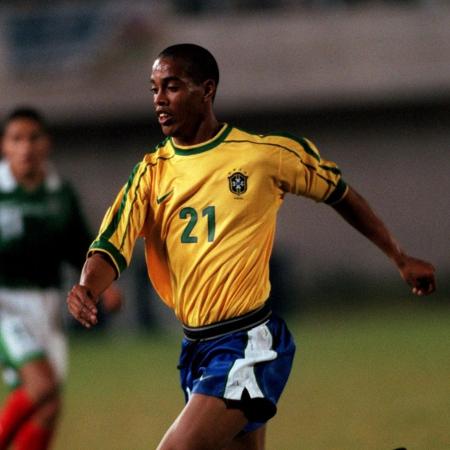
{"points": [[420, 275]]}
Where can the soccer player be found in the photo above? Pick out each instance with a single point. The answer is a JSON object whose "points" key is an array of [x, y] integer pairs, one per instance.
{"points": [[41, 226], [206, 201]]}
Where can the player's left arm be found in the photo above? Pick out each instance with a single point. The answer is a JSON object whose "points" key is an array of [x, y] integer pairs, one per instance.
{"points": [[420, 275]]}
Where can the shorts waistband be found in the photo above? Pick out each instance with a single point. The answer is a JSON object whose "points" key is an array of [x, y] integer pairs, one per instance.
{"points": [[240, 323]]}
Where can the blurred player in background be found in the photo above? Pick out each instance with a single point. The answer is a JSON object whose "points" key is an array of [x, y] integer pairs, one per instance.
{"points": [[41, 227], [206, 201]]}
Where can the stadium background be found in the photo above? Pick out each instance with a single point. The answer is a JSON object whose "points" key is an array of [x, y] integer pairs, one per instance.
{"points": [[369, 83]]}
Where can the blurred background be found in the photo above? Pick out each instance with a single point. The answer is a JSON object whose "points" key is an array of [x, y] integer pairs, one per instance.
{"points": [[367, 80]]}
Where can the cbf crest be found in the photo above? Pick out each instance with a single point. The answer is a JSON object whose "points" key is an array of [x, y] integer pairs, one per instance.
{"points": [[237, 182]]}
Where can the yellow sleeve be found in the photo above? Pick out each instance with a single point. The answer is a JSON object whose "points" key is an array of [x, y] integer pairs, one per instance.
{"points": [[124, 220], [304, 172]]}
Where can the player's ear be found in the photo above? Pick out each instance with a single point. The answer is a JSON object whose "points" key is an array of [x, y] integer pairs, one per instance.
{"points": [[210, 90]]}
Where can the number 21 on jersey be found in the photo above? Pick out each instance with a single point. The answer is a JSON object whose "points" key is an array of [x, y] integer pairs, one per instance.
{"points": [[190, 232]]}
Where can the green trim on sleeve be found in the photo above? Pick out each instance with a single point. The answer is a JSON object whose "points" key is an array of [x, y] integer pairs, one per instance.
{"points": [[334, 170], [116, 257], [300, 140], [338, 193], [116, 218]]}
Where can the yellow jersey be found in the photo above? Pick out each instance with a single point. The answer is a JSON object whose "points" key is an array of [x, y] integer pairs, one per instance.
{"points": [[208, 212]]}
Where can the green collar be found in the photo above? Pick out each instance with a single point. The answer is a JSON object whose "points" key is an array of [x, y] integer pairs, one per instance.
{"points": [[204, 146]]}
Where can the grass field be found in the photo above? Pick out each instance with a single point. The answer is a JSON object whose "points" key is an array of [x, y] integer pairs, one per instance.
{"points": [[364, 380]]}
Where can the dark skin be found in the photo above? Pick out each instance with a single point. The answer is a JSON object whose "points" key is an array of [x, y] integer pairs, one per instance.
{"points": [[184, 108], [185, 112]]}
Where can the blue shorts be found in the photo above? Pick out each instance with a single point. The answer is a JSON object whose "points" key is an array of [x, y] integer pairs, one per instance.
{"points": [[247, 369]]}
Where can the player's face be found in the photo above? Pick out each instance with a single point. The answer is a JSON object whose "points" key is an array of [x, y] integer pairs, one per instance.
{"points": [[179, 102], [26, 146]]}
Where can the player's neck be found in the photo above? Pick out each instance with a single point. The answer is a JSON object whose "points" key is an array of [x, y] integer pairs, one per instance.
{"points": [[30, 181], [205, 131]]}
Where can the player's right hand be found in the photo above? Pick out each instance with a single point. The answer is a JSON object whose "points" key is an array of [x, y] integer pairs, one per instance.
{"points": [[82, 305]]}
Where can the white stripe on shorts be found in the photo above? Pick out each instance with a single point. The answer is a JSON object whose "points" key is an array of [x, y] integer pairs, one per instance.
{"points": [[242, 374]]}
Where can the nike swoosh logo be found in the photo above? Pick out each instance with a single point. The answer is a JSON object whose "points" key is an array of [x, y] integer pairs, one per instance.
{"points": [[159, 200], [204, 378]]}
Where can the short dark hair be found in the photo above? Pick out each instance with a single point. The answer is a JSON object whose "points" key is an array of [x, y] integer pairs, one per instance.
{"points": [[200, 63], [25, 112]]}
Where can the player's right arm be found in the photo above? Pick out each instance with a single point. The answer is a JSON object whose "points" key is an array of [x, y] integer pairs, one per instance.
{"points": [[111, 251], [96, 276]]}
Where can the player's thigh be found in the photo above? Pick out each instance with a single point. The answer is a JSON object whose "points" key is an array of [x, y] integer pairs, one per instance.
{"points": [[48, 412], [24, 342], [39, 376], [18, 346], [204, 424], [254, 440], [56, 350], [51, 334]]}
